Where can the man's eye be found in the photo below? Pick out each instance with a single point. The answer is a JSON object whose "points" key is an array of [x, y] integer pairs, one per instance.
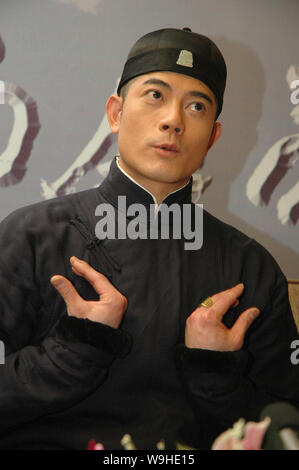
{"points": [[155, 94], [198, 107]]}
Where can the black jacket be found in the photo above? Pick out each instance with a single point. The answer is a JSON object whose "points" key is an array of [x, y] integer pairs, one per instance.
{"points": [[67, 380]]}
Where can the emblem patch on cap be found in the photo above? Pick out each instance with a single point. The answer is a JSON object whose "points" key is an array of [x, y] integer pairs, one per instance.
{"points": [[185, 58]]}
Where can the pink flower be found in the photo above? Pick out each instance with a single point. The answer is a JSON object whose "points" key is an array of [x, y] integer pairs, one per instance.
{"points": [[93, 445], [242, 436]]}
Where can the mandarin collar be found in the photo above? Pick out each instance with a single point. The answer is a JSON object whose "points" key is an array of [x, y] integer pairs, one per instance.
{"points": [[117, 183]]}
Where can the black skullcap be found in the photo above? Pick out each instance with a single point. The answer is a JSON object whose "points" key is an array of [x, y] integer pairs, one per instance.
{"points": [[181, 51]]}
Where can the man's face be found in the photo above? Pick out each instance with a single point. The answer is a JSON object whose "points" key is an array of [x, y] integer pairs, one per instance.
{"points": [[165, 128]]}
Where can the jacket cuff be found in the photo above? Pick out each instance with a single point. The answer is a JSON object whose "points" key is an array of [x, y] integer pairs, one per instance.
{"points": [[110, 340], [206, 361]]}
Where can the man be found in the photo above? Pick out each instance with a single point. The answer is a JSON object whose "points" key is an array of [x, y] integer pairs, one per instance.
{"points": [[140, 335]]}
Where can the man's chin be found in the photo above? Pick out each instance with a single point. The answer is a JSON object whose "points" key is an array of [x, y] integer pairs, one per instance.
{"points": [[159, 174], [167, 177]]}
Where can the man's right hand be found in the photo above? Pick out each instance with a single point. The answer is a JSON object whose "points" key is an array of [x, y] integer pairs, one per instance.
{"points": [[109, 309]]}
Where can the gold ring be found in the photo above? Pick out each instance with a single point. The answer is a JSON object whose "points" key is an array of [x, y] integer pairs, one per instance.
{"points": [[208, 302]]}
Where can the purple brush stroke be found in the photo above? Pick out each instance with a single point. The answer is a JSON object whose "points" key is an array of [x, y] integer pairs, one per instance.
{"points": [[18, 169], [2, 50], [282, 166], [90, 165], [294, 215]]}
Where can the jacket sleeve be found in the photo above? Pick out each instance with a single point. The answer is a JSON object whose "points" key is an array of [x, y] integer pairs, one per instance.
{"points": [[52, 361], [226, 386]]}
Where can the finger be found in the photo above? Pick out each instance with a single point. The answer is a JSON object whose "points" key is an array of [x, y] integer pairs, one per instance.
{"points": [[99, 282], [75, 271], [66, 290], [241, 326], [226, 299]]}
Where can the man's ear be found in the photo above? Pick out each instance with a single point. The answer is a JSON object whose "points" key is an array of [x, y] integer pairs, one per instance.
{"points": [[216, 133], [114, 110]]}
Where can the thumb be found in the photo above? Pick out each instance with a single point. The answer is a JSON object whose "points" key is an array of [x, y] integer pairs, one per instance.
{"points": [[242, 324], [66, 290]]}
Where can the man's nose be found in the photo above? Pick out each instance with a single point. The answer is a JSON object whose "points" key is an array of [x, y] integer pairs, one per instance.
{"points": [[172, 121]]}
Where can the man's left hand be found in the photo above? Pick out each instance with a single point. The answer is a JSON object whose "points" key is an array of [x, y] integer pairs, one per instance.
{"points": [[205, 329]]}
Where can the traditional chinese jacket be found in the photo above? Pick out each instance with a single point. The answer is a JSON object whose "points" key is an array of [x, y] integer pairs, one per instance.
{"points": [[67, 380]]}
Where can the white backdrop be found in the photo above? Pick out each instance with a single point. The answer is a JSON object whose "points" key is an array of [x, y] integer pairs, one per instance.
{"points": [[61, 59]]}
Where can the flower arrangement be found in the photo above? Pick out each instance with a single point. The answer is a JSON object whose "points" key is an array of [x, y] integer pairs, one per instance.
{"points": [[242, 436], [126, 442]]}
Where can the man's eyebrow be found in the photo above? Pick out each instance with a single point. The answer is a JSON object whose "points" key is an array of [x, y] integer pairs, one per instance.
{"points": [[197, 94], [200, 94], [156, 81]]}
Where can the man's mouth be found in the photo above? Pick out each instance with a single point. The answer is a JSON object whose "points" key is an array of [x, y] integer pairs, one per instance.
{"points": [[167, 147]]}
